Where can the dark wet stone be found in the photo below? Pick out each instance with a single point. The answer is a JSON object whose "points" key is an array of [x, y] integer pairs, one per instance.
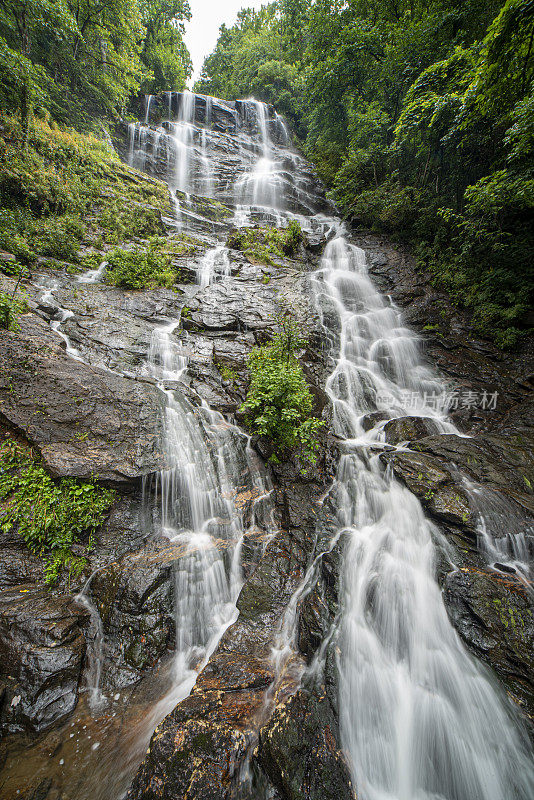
{"points": [[504, 568], [42, 648], [495, 617], [84, 421], [134, 597], [299, 750], [440, 491], [405, 429]]}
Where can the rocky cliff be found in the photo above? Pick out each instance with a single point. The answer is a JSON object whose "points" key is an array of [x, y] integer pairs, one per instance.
{"points": [[89, 667]]}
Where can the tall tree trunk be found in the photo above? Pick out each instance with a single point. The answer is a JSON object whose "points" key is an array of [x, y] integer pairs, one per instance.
{"points": [[26, 90]]}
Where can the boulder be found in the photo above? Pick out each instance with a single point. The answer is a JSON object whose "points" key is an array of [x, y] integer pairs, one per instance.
{"points": [[42, 649], [299, 750], [85, 421]]}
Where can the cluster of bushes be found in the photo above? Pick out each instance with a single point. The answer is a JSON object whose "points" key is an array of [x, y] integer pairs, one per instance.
{"points": [[279, 404], [140, 268], [260, 244], [51, 516], [11, 306], [153, 264]]}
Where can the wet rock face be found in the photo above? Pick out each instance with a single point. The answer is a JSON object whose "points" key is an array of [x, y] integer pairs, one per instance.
{"points": [[243, 713], [457, 479], [495, 618], [134, 597], [299, 750], [152, 147], [201, 749], [407, 429], [468, 362], [84, 421], [42, 648]]}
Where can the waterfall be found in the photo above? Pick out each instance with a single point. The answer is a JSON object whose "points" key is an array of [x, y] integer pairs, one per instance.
{"points": [[420, 718], [148, 102], [214, 265], [504, 537]]}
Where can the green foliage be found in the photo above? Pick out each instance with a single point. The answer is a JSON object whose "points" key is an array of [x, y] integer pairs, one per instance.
{"points": [[50, 516], [258, 55], [86, 58], [279, 404], [11, 306], [228, 375], [260, 244], [419, 116], [140, 268], [164, 52], [67, 190]]}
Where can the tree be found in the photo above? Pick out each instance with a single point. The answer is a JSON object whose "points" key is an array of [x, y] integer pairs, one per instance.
{"points": [[23, 20], [164, 53]]}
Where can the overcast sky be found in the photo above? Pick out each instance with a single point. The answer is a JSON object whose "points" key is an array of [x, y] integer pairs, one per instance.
{"points": [[202, 32]]}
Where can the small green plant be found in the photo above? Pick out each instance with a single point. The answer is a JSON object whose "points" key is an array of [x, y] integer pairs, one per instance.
{"points": [[261, 244], [50, 516], [11, 306], [279, 404], [227, 374], [140, 268]]}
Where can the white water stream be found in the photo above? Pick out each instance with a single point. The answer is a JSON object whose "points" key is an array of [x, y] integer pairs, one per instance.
{"points": [[420, 718]]}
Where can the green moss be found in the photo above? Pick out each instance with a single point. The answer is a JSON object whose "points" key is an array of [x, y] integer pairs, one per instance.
{"points": [[68, 189], [262, 244], [50, 516]]}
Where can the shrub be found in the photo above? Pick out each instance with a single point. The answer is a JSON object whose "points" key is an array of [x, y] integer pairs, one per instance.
{"points": [[50, 516], [263, 243], [140, 269], [279, 404], [10, 308]]}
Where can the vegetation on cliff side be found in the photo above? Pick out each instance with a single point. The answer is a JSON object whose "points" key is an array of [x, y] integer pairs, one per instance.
{"points": [[420, 118], [86, 60], [68, 198], [279, 404], [261, 244], [51, 516]]}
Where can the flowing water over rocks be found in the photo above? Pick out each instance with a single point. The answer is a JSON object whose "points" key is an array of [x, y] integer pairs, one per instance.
{"points": [[268, 634]]}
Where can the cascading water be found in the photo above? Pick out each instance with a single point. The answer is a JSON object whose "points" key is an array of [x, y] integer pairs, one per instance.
{"points": [[504, 537], [210, 463], [214, 266], [420, 719]]}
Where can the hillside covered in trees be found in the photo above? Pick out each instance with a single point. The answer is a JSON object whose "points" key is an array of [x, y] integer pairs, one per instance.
{"points": [[89, 59], [419, 115]]}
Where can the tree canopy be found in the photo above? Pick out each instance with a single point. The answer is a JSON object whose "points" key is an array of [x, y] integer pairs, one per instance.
{"points": [[419, 115], [88, 58]]}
